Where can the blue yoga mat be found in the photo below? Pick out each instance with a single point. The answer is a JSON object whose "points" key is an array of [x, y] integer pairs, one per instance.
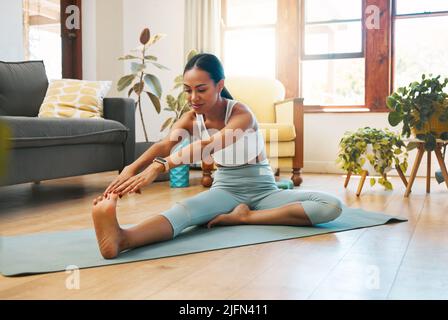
{"points": [[56, 251]]}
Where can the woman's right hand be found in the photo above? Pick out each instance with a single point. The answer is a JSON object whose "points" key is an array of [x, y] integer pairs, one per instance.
{"points": [[124, 176]]}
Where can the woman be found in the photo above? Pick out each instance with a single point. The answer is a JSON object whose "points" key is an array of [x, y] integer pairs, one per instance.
{"points": [[244, 189]]}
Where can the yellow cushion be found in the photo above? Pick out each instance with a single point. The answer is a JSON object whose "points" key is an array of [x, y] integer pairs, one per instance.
{"points": [[281, 149], [280, 131], [258, 93], [69, 98], [282, 163]]}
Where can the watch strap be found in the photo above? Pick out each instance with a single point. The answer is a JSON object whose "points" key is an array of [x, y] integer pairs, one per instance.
{"points": [[164, 162]]}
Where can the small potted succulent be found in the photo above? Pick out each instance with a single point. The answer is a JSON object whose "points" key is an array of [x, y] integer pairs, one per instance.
{"points": [[372, 150], [423, 109]]}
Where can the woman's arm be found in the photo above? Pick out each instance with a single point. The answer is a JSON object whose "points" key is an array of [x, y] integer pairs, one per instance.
{"points": [[145, 163], [163, 148], [240, 120]]}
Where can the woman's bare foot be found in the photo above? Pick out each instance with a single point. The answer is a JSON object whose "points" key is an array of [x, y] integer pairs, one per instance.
{"points": [[108, 232], [239, 215]]}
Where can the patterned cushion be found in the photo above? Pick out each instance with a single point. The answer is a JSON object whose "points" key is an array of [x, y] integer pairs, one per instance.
{"points": [[69, 98]]}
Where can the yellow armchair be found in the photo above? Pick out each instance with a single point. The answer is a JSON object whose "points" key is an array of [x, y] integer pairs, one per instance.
{"points": [[280, 121]]}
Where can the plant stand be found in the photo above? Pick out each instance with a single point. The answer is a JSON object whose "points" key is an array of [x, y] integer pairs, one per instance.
{"points": [[418, 159], [364, 175]]}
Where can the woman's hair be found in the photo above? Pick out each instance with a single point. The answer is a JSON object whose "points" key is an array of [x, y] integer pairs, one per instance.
{"points": [[210, 64]]}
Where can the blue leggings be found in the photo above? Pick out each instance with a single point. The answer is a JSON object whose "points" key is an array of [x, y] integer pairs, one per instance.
{"points": [[254, 185]]}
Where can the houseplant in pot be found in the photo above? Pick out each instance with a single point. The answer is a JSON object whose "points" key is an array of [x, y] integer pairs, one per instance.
{"points": [[372, 150], [141, 83], [422, 107], [178, 105]]}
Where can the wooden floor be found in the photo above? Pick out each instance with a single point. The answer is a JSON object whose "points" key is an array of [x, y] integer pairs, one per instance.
{"points": [[397, 261]]}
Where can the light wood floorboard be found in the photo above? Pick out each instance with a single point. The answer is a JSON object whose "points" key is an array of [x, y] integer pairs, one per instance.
{"points": [[396, 261]]}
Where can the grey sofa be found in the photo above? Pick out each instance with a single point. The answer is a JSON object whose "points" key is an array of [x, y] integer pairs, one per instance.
{"points": [[49, 148]]}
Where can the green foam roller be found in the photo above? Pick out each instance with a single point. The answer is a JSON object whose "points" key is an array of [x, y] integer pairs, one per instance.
{"points": [[285, 184]]}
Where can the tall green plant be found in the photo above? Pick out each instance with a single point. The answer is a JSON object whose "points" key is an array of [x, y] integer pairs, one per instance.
{"points": [[415, 104], [177, 101], [140, 80]]}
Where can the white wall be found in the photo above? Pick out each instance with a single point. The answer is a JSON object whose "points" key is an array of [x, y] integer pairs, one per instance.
{"points": [[89, 55], [11, 30], [160, 17], [109, 42], [322, 132]]}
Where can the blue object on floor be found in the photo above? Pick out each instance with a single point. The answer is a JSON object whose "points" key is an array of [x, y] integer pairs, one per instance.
{"points": [[55, 251], [285, 184], [180, 176], [439, 177]]}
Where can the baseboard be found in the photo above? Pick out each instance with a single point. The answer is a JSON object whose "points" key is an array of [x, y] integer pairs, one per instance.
{"points": [[330, 167]]}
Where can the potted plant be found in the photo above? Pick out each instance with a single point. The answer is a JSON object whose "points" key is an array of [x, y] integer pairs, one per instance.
{"points": [[140, 81], [372, 150], [143, 83], [177, 104], [423, 109]]}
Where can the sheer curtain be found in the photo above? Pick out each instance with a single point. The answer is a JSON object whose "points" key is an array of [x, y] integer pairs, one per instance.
{"points": [[203, 26]]}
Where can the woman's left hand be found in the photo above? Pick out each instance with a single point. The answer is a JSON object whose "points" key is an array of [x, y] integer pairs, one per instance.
{"points": [[138, 181]]}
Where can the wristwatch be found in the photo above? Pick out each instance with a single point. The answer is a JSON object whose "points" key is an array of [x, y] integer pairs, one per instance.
{"points": [[162, 161]]}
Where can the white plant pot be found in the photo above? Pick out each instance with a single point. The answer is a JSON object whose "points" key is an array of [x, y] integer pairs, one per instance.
{"points": [[368, 167]]}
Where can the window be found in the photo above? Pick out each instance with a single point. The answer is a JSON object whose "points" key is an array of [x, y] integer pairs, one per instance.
{"points": [[249, 38], [333, 64], [42, 34], [333, 29], [326, 53], [419, 39]]}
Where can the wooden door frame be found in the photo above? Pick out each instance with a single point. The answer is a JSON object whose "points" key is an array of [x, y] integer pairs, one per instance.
{"points": [[71, 41]]}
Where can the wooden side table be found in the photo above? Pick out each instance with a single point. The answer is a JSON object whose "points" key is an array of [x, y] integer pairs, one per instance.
{"points": [[418, 159]]}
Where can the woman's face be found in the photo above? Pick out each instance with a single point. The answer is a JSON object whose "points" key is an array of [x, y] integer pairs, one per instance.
{"points": [[202, 92]]}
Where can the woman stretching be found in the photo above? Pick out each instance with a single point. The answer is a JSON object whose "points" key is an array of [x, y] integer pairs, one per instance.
{"points": [[244, 189]]}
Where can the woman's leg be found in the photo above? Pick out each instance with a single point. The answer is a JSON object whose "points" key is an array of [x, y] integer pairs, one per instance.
{"points": [[285, 207], [112, 239], [290, 214]]}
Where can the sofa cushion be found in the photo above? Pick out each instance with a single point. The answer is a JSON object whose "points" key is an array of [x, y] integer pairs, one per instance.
{"points": [[22, 88], [33, 132], [280, 149], [71, 98], [284, 131]]}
